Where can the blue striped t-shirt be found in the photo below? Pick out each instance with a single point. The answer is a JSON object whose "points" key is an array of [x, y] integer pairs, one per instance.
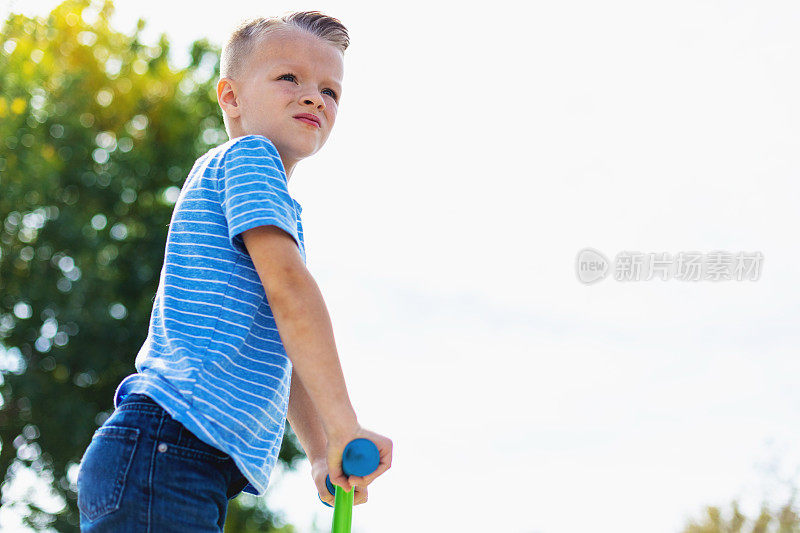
{"points": [[213, 358]]}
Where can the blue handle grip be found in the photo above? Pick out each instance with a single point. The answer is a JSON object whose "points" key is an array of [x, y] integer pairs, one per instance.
{"points": [[360, 458]]}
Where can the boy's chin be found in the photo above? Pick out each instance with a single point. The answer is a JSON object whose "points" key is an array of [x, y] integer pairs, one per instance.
{"points": [[302, 148]]}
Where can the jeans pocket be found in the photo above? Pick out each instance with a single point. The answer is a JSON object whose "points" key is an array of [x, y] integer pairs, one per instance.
{"points": [[104, 469]]}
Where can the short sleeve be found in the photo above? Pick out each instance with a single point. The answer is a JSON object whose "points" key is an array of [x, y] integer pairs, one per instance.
{"points": [[253, 190]]}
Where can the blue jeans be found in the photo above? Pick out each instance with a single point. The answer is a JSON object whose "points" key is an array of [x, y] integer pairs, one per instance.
{"points": [[144, 472]]}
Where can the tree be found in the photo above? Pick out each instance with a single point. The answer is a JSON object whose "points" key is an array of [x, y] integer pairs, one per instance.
{"points": [[785, 519], [97, 133]]}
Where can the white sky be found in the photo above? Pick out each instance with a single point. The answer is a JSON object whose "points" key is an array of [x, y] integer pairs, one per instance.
{"points": [[477, 149]]}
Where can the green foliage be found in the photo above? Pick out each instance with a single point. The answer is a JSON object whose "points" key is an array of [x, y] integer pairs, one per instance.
{"points": [[785, 519], [97, 133]]}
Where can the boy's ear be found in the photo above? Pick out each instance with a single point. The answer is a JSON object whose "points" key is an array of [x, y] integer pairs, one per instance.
{"points": [[226, 97]]}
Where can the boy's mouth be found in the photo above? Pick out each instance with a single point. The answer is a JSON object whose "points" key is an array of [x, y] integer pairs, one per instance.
{"points": [[308, 118]]}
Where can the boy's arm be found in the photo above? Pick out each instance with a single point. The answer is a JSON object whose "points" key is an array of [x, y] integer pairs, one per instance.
{"points": [[304, 326], [305, 422]]}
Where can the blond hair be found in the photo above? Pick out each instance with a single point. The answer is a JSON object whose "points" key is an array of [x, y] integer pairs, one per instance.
{"points": [[250, 32]]}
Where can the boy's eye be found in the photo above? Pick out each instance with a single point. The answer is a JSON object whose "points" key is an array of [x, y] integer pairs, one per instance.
{"points": [[333, 93]]}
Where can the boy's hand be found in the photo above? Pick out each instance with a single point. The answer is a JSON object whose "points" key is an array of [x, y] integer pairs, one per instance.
{"points": [[336, 446], [319, 471]]}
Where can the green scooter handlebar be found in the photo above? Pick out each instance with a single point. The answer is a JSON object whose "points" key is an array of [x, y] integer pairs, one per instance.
{"points": [[360, 458]]}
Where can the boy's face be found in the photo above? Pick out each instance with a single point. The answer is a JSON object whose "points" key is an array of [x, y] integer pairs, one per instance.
{"points": [[288, 72]]}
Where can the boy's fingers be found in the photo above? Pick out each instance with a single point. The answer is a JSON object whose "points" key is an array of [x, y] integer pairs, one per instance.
{"points": [[366, 480], [383, 467], [342, 482], [360, 496], [337, 476]]}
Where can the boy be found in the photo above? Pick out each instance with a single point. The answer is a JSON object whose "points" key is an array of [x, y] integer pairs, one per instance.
{"points": [[239, 338]]}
